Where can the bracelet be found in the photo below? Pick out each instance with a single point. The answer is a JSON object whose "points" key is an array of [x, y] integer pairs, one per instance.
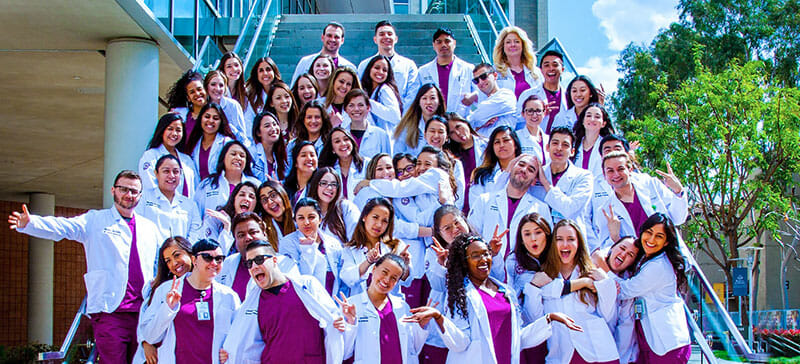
{"points": [[547, 318]]}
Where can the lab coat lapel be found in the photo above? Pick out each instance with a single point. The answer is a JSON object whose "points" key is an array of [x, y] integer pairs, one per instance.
{"points": [[482, 317]]}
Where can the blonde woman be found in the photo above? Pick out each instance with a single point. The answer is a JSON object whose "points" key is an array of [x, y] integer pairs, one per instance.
{"points": [[515, 61]]}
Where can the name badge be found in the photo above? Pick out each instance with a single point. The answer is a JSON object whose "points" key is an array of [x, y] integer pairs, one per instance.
{"points": [[203, 313], [111, 231], [494, 208], [363, 319], [639, 309], [250, 312]]}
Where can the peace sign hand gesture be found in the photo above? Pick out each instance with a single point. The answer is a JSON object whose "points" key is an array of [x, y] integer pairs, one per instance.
{"points": [[173, 296], [671, 180], [613, 222], [441, 253], [348, 309], [497, 240]]}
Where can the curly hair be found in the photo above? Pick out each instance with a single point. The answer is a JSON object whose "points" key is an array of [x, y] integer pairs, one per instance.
{"points": [[457, 271], [671, 248], [177, 96]]}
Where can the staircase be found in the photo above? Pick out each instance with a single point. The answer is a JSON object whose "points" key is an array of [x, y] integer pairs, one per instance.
{"points": [[299, 35]]}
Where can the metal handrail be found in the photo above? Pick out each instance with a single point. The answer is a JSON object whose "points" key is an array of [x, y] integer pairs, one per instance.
{"points": [[488, 17], [474, 33], [499, 9], [252, 46], [61, 354], [698, 336], [240, 39]]}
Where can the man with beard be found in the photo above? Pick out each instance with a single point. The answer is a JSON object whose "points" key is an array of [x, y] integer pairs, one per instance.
{"points": [[332, 40], [502, 210], [120, 249]]}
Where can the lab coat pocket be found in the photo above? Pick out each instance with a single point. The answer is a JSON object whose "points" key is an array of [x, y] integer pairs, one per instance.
{"points": [[96, 281]]}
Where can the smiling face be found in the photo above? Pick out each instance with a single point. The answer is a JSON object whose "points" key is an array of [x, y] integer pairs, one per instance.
{"points": [[567, 244], [593, 119], [265, 75], [385, 276], [533, 112], [459, 131], [246, 232], [512, 45], [173, 134], [328, 188], [503, 146], [384, 168], [552, 68], [263, 274], [357, 108], [235, 159], [426, 161], [560, 147], [622, 255], [322, 68], [612, 146], [451, 226], [281, 100], [233, 69], [272, 203], [342, 85], [216, 88], [178, 261], [332, 39], [405, 169], [168, 175], [436, 134], [479, 261], [306, 90], [617, 172], [313, 121], [385, 38], [307, 159], [269, 130], [128, 199], [534, 239], [245, 200], [376, 222], [488, 83], [342, 146], [207, 270], [379, 71], [196, 93], [210, 121], [429, 102], [653, 240], [580, 94], [307, 220]]}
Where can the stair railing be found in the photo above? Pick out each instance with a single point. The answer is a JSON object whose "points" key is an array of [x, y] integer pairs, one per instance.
{"points": [[485, 19], [62, 355]]}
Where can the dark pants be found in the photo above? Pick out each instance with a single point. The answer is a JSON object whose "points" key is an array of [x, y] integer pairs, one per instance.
{"points": [[115, 336], [647, 356]]}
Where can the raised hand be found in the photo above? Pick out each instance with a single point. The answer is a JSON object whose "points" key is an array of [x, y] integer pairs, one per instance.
{"points": [[441, 253], [497, 240], [18, 220], [613, 222], [564, 319], [671, 180], [374, 253], [406, 255], [336, 118], [423, 315], [222, 216], [173, 296], [348, 309]]}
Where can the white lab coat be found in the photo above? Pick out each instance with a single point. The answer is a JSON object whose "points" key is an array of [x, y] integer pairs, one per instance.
{"points": [[147, 170], [354, 176], [664, 321], [362, 340], [350, 215], [157, 324], [569, 199], [540, 91], [623, 325], [403, 228], [491, 210], [458, 85], [494, 182], [178, 217], [653, 195], [352, 257], [565, 117], [260, 164], [595, 343], [529, 297], [244, 342], [312, 262], [437, 277], [386, 108], [423, 189], [405, 76], [533, 77], [209, 197], [213, 229], [595, 159], [375, 140], [240, 127], [106, 240], [213, 153], [502, 105], [470, 340], [529, 145], [400, 145], [250, 114], [304, 64]]}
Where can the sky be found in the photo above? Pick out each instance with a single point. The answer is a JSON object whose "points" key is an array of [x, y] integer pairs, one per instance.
{"points": [[593, 32]]}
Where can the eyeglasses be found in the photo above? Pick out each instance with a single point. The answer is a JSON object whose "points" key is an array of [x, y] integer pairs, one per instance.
{"points": [[212, 258], [533, 111], [126, 190], [405, 171], [481, 77], [325, 184], [257, 260], [274, 196]]}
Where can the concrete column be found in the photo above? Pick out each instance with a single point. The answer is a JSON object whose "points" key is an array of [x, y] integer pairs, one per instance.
{"points": [[131, 106], [40, 275]]}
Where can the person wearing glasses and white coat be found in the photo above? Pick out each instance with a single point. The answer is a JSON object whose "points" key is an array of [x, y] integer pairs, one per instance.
{"points": [[447, 67], [285, 318], [624, 200], [190, 316]]}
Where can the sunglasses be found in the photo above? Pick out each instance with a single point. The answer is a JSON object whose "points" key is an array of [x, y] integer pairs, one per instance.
{"points": [[481, 77], [212, 258], [257, 260]]}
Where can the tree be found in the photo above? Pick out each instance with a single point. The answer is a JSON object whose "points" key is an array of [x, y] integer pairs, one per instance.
{"points": [[736, 139]]}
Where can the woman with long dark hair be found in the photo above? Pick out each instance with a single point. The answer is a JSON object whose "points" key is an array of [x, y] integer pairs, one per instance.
{"points": [[263, 73], [206, 141], [275, 208], [232, 66], [186, 97], [343, 80], [466, 145], [593, 124], [409, 133], [305, 89], [503, 147], [217, 222], [657, 284], [282, 104], [581, 92], [304, 163], [378, 82], [269, 149], [173, 213], [215, 84], [343, 155], [313, 125], [233, 167], [168, 139], [339, 215]]}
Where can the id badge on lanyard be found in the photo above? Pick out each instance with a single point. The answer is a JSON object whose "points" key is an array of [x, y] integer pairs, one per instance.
{"points": [[203, 312], [639, 309]]}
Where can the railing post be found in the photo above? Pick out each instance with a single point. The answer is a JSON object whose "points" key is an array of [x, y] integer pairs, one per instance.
{"points": [[196, 27]]}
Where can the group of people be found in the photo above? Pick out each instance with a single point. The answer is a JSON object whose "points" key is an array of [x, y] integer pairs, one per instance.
{"points": [[451, 213]]}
